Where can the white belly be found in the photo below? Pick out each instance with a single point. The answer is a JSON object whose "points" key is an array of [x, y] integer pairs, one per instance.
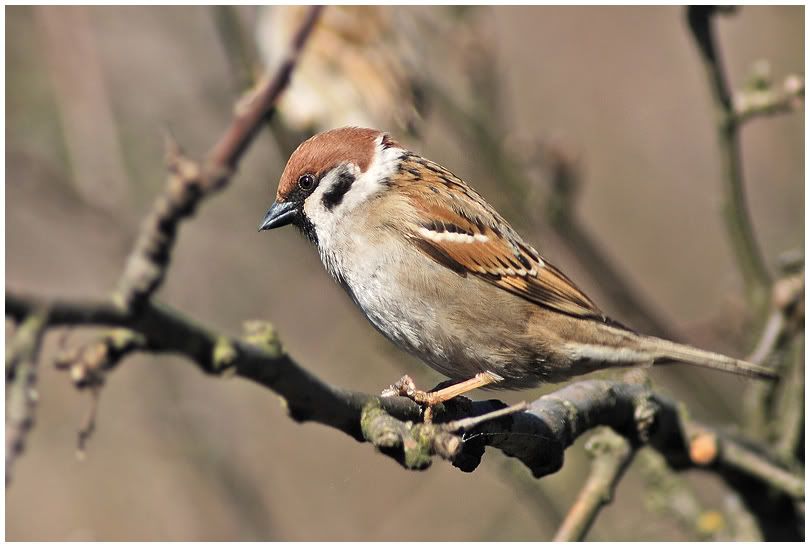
{"points": [[423, 307], [374, 279]]}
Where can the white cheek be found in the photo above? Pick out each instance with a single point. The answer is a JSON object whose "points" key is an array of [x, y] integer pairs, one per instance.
{"points": [[328, 222], [324, 222], [317, 214]]}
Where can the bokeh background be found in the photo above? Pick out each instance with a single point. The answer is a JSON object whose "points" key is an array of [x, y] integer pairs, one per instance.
{"points": [[177, 455]]}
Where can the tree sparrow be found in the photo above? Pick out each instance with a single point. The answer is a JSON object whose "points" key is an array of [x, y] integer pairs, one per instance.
{"points": [[441, 274]]}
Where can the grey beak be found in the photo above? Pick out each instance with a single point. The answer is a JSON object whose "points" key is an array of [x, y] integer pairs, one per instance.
{"points": [[279, 214]]}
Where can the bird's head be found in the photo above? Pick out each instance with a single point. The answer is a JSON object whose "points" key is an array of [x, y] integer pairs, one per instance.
{"points": [[329, 175]]}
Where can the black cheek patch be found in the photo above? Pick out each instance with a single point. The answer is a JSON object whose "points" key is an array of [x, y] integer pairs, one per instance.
{"points": [[334, 196], [307, 228]]}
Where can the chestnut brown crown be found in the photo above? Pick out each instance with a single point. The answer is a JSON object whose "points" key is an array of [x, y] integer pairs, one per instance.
{"points": [[324, 151]]}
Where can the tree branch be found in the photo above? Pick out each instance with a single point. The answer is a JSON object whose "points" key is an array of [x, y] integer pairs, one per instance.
{"points": [[789, 407], [781, 328], [189, 183], [21, 370], [611, 456], [538, 436], [735, 209], [260, 359], [669, 494]]}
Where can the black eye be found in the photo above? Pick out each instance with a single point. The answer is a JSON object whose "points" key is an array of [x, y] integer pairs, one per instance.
{"points": [[306, 182]]}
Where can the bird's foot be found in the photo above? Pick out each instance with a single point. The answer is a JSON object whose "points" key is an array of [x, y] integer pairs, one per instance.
{"points": [[406, 387]]}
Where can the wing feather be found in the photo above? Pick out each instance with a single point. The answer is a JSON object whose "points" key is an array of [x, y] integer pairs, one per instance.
{"points": [[456, 227]]}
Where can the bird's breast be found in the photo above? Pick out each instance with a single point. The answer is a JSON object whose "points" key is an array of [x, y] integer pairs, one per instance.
{"points": [[443, 318]]}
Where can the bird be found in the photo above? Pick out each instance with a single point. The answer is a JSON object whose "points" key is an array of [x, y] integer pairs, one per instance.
{"points": [[439, 272]]}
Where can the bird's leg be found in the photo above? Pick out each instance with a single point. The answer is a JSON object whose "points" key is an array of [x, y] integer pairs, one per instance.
{"points": [[406, 387]]}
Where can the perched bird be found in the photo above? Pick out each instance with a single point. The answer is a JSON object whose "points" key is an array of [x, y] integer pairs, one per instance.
{"points": [[440, 273]]}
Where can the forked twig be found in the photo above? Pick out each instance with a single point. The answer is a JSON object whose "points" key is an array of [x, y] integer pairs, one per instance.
{"points": [[735, 209], [189, 182]]}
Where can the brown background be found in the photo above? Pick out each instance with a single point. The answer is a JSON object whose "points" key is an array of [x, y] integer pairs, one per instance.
{"points": [[181, 456]]}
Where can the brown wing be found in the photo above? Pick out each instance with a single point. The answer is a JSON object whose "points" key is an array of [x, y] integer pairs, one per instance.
{"points": [[458, 229]]}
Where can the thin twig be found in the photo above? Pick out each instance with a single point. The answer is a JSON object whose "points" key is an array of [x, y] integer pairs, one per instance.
{"points": [[735, 209], [736, 455], [259, 105], [244, 63], [88, 365], [729, 117], [669, 494], [88, 426], [789, 407], [189, 183], [782, 326], [769, 337], [21, 396], [611, 456], [708, 447], [469, 423]]}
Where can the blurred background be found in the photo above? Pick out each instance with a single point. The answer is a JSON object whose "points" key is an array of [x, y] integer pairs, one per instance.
{"points": [[502, 97]]}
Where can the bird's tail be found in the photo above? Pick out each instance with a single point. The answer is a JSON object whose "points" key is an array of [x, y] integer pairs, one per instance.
{"points": [[663, 351]]}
